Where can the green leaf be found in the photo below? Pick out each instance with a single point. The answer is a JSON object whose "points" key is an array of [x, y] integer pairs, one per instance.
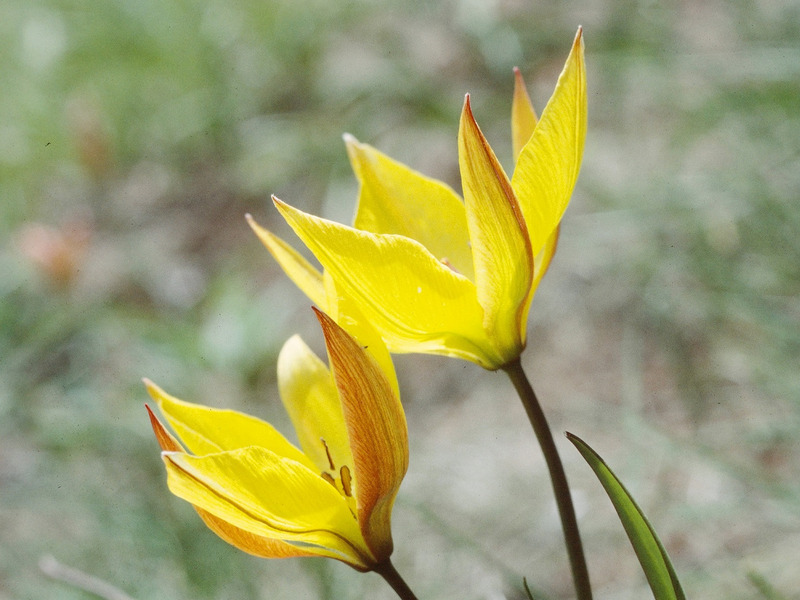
{"points": [[651, 553]]}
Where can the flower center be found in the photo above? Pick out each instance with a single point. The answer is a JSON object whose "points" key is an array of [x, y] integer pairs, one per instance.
{"points": [[344, 482]]}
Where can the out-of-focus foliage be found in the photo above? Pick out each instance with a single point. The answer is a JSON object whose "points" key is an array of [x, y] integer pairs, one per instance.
{"points": [[135, 135]]}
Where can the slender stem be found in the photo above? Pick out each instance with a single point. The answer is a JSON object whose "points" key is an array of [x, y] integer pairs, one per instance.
{"points": [[572, 537], [389, 573]]}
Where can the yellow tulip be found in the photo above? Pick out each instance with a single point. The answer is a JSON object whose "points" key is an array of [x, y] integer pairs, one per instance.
{"points": [[265, 496], [437, 274]]}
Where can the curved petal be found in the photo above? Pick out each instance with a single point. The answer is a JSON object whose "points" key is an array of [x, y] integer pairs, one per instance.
{"points": [[260, 492], [396, 199], [541, 263], [344, 310], [548, 165], [299, 270], [310, 396], [165, 439], [244, 540], [257, 545], [542, 260], [207, 430], [415, 302], [500, 244], [376, 426], [523, 115]]}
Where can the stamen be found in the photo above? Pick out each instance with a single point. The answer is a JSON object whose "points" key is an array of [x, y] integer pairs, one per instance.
{"points": [[344, 472], [328, 454], [329, 478], [446, 262]]}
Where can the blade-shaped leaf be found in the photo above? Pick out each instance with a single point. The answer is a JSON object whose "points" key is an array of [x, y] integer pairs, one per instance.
{"points": [[651, 553]]}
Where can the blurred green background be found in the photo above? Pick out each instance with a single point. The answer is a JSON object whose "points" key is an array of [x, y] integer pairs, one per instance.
{"points": [[134, 137]]}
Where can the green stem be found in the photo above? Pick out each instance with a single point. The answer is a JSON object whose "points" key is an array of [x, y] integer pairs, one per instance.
{"points": [[572, 537], [392, 577]]}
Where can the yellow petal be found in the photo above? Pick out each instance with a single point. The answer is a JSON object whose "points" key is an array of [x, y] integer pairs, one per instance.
{"points": [[310, 396], [376, 426], [344, 310], [523, 115], [165, 439], [399, 200], [541, 264], [207, 430], [415, 302], [260, 492], [255, 544], [244, 540], [500, 245], [542, 260], [299, 270], [548, 165]]}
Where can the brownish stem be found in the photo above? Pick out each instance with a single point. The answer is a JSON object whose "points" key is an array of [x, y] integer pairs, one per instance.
{"points": [[572, 537], [392, 577]]}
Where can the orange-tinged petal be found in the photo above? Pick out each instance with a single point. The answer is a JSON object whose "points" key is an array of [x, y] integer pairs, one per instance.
{"points": [[548, 165], [258, 491], [255, 544], [396, 199], [299, 270], [242, 539], [207, 430], [523, 115], [309, 395], [415, 302], [349, 316], [377, 430], [500, 245], [165, 439]]}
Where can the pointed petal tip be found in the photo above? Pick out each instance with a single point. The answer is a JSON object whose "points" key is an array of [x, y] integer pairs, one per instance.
{"points": [[152, 388], [156, 393], [328, 325], [294, 337], [282, 207], [251, 222], [354, 149], [331, 330], [467, 110], [154, 423], [323, 318], [263, 234], [163, 437], [520, 88]]}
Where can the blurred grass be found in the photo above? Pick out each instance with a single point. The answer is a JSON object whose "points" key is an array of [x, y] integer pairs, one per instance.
{"points": [[136, 135]]}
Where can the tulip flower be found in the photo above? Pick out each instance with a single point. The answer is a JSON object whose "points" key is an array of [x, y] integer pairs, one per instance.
{"points": [[437, 274], [331, 497]]}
